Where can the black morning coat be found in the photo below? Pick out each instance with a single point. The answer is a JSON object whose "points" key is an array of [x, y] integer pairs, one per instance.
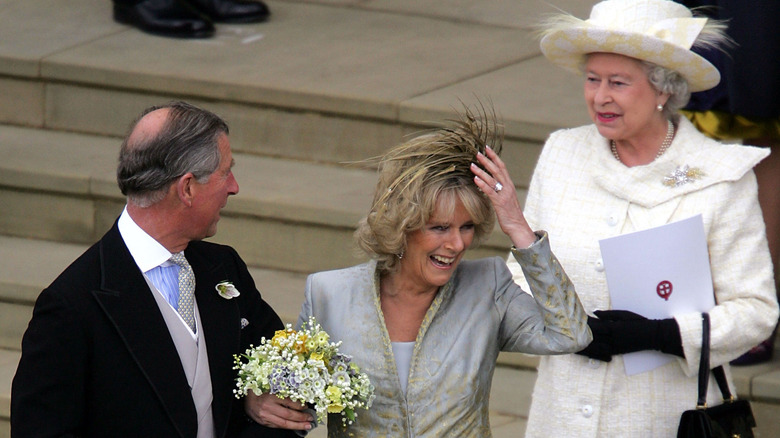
{"points": [[98, 360]]}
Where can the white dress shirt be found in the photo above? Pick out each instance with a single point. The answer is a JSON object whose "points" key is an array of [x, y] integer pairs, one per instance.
{"points": [[153, 260]]}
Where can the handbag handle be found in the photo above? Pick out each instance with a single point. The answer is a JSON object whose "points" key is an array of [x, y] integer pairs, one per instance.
{"points": [[704, 368]]}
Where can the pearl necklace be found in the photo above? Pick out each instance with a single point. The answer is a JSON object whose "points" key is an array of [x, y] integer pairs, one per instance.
{"points": [[664, 146]]}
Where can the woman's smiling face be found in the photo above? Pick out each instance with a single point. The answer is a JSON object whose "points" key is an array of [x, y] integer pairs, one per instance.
{"points": [[433, 253], [621, 101]]}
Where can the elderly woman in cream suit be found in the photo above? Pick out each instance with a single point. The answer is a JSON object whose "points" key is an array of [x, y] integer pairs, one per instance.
{"points": [[639, 166], [425, 325]]}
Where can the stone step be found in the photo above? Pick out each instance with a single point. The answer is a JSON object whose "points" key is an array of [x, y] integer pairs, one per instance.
{"points": [[29, 265], [301, 86], [510, 398], [322, 82], [289, 215], [8, 361]]}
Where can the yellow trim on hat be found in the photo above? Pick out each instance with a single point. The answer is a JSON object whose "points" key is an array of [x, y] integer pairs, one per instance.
{"points": [[657, 31]]}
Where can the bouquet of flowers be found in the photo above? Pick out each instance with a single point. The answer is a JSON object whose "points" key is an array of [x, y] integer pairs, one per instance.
{"points": [[306, 367]]}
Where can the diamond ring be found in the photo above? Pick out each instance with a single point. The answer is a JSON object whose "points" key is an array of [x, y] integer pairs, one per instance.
{"points": [[498, 187]]}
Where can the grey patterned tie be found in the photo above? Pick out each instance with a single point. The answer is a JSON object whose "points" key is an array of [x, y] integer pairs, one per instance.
{"points": [[186, 290]]}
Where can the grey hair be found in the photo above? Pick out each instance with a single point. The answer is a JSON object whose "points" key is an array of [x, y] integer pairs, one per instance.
{"points": [[670, 82], [712, 37], [188, 142]]}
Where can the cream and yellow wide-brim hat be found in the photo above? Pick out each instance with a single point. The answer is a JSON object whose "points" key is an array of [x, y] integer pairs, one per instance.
{"points": [[658, 31]]}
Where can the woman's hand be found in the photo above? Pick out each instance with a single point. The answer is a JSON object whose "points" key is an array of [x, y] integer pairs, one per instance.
{"points": [[500, 189], [272, 411], [621, 332]]}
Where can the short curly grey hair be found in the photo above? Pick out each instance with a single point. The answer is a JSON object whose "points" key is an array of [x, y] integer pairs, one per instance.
{"points": [[669, 82]]}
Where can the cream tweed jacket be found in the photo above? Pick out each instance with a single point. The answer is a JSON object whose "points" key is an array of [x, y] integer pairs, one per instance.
{"points": [[579, 193]]}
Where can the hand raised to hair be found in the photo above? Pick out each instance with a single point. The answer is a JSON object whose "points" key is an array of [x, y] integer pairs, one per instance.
{"points": [[499, 188]]}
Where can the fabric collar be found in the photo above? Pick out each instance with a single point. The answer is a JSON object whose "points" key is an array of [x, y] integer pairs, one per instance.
{"points": [[147, 252], [644, 185]]}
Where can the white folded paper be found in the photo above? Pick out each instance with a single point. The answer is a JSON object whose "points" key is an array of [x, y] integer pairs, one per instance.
{"points": [[658, 273]]}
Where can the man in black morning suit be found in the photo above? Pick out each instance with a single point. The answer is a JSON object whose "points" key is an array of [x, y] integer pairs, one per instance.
{"points": [[111, 350]]}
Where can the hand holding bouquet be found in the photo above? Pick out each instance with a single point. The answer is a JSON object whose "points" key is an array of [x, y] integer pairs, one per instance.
{"points": [[306, 367]]}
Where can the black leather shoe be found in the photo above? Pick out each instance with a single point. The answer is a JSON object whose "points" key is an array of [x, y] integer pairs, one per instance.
{"points": [[232, 11], [168, 18]]}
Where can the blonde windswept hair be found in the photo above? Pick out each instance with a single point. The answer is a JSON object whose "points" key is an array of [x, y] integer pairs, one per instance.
{"points": [[427, 171]]}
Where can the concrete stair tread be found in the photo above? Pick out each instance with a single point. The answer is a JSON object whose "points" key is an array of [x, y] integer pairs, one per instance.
{"points": [[286, 190], [322, 82], [510, 397], [506, 413], [8, 361], [29, 265], [85, 165], [91, 49]]}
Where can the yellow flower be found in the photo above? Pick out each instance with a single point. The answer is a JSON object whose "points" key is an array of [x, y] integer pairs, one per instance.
{"points": [[335, 408], [279, 335], [311, 344], [333, 393], [316, 356], [322, 338], [300, 347]]}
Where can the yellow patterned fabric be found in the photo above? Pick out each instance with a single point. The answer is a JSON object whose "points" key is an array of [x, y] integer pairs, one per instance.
{"points": [[724, 126], [186, 305]]}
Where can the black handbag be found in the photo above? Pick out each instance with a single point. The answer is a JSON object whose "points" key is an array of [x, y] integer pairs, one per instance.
{"points": [[732, 419]]}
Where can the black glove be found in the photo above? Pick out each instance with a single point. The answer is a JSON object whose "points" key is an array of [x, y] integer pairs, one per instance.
{"points": [[621, 331]]}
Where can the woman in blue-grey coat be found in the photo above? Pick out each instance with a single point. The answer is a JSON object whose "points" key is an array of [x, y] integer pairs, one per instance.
{"points": [[423, 324]]}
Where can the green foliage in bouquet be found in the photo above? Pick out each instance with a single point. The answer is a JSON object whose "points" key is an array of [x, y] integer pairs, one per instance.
{"points": [[306, 367]]}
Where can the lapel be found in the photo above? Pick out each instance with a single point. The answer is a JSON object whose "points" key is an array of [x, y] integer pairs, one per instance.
{"points": [[127, 301], [644, 185], [220, 319]]}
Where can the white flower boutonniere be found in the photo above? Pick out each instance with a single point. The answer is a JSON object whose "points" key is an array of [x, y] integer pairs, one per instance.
{"points": [[227, 290]]}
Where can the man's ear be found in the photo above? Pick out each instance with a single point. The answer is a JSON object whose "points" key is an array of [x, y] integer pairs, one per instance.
{"points": [[185, 188]]}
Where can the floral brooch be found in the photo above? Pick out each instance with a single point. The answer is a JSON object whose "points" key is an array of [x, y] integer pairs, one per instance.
{"points": [[226, 290], [683, 175]]}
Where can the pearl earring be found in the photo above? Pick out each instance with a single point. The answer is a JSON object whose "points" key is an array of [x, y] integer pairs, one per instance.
{"points": [[659, 107]]}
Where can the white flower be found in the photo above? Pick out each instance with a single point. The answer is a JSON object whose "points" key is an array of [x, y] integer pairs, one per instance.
{"points": [[226, 290], [289, 366]]}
